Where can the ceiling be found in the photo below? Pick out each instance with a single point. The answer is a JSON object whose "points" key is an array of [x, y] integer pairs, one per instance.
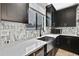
{"points": [[59, 6]]}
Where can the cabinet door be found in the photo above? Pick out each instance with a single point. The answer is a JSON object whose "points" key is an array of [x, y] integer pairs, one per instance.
{"points": [[74, 43], [8, 11], [3, 11], [11, 10], [21, 11], [14, 12], [66, 17]]}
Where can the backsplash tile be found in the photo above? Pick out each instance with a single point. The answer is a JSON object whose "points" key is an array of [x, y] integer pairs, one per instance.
{"points": [[68, 30], [77, 20], [13, 31]]}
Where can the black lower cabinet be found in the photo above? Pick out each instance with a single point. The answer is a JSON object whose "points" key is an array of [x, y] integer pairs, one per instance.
{"points": [[69, 43], [74, 45]]}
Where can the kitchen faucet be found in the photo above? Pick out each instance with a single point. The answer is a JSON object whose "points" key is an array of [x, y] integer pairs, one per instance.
{"points": [[40, 31]]}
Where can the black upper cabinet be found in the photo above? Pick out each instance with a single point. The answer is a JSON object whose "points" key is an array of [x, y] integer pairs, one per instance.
{"points": [[16, 12], [50, 15], [66, 17]]}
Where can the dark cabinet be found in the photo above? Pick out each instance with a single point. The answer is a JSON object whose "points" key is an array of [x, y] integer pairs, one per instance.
{"points": [[70, 43], [50, 15], [66, 17], [63, 41], [3, 11], [14, 12], [60, 41], [74, 43]]}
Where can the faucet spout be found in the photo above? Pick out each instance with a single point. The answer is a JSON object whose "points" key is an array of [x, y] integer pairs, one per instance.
{"points": [[40, 32]]}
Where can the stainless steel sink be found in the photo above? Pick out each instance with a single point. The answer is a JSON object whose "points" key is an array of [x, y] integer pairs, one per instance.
{"points": [[49, 46], [46, 38]]}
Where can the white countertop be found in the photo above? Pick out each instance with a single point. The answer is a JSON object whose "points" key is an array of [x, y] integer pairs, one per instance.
{"points": [[21, 48], [55, 35]]}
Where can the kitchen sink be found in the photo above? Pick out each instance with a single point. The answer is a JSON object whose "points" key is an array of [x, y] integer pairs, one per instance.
{"points": [[49, 46], [46, 38]]}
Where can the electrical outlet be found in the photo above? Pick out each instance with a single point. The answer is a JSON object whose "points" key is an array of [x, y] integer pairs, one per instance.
{"points": [[6, 42]]}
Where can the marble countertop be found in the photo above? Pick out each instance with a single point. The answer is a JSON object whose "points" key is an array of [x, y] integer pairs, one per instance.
{"points": [[26, 47], [22, 48]]}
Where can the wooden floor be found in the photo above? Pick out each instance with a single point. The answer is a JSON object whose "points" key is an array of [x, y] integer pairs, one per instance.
{"points": [[62, 52]]}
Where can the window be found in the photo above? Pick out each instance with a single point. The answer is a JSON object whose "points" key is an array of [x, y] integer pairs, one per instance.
{"points": [[36, 19], [48, 21], [40, 20], [32, 17]]}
